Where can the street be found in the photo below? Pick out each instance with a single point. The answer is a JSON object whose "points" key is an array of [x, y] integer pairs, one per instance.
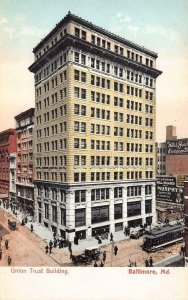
{"points": [[27, 249]]}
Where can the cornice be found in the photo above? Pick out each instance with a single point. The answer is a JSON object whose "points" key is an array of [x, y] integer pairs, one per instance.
{"points": [[71, 17], [69, 40]]}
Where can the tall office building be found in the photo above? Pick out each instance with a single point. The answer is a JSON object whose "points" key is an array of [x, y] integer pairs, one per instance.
{"points": [[94, 130]]}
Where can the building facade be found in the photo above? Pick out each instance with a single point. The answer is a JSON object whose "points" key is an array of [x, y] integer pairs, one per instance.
{"points": [[24, 164], [161, 158], [7, 147], [12, 187], [95, 119], [170, 188], [186, 219]]}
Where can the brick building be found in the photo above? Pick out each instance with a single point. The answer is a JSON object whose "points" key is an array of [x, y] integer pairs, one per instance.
{"points": [[186, 218], [95, 130], [24, 164], [7, 147], [170, 194]]}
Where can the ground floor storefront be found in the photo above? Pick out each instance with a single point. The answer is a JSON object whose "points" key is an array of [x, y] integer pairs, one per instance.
{"points": [[87, 211]]}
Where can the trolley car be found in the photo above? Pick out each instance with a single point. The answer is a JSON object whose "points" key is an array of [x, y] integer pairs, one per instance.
{"points": [[156, 240]]}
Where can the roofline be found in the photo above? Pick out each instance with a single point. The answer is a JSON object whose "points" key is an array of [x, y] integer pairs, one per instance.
{"points": [[8, 131], [30, 111], [72, 17], [69, 40]]}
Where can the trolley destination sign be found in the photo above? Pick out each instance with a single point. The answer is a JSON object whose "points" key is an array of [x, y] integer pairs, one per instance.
{"points": [[177, 147]]}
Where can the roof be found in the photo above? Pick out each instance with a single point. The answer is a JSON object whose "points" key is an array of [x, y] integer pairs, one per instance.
{"points": [[72, 17], [22, 115], [163, 231], [8, 132]]}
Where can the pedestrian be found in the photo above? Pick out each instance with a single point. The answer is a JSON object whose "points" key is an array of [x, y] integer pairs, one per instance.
{"points": [[104, 256], [55, 243], [135, 264], [0, 254], [125, 231], [101, 264], [6, 244], [184, 250], [9, 260], [46, 249], [31, 227], [70, 246], [111, 237], [54, 234], [95, 264], [115, 250], [146, 263], [151, 262], [50, 248]]}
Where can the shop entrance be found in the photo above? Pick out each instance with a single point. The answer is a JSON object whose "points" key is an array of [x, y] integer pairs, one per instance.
{"points": [[81, 235], [40, 217], [135, 223], [100, 230]]}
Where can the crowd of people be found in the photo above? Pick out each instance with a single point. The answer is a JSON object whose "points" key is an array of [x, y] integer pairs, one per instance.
{"points": [[9, 259]]}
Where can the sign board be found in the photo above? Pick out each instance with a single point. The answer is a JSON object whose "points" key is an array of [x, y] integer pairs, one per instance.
{"points": [[177, 147], [180, 180], [167, 191]]}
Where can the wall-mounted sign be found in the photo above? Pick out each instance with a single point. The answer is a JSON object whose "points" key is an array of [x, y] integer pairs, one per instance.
{"points": [[177, 147], [167, 191], [180, 180]]}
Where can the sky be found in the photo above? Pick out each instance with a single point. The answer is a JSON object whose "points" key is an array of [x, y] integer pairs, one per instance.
{"points": [[159, 25]]}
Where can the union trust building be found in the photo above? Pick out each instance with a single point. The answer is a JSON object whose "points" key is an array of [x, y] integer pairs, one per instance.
{"points": [[95, 127]]}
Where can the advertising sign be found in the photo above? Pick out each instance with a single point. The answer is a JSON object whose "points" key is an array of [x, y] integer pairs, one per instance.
{"points": [[180, 180], [167, 191], [177, 147]]}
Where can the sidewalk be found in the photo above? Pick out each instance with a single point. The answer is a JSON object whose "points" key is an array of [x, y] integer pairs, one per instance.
{"points": [[172, 261], [47, 235]]}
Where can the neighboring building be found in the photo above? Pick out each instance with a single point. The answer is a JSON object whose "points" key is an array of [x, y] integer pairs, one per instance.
{"points": [[176, 154], [24, 181], [186, 218], [169, 188], [7, 147], [161, 158], [95, 130], [12, 188]]}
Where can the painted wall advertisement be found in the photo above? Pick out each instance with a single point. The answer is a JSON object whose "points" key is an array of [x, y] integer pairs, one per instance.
{"points": [[167, 191], [177, 147]]}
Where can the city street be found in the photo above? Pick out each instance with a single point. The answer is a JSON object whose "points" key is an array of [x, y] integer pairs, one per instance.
{"points": [[27, 249]]}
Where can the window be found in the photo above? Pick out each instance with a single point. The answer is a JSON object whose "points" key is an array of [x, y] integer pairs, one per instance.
{"points": [[63, 216], [76, 75], [83, 35], [80, 196], [76, 177], [54, 214], [80, 217], [133, 209], [99, 214], [118, 211], [148, 206], [76, 92], [76, 57], [77, 32]]}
